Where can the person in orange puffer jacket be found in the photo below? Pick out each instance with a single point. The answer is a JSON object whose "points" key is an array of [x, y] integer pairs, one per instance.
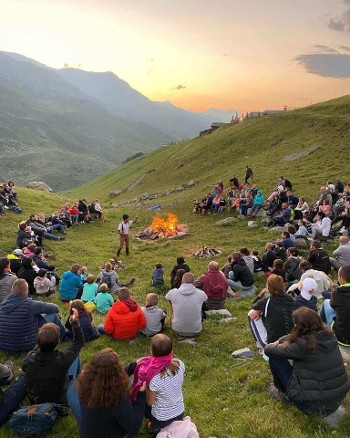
{"points": [[125, 318]]}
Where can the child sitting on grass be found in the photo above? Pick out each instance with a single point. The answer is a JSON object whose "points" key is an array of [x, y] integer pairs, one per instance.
{"points": [[85, 319], [90, 289], [84, 274], [164, 375], [155, 317], [158, 275], [103, 299], [43, 284]]}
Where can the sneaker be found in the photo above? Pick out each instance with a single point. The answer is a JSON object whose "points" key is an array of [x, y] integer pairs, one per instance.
{"points": [[132, 281], [62, 238], [9, 365]]}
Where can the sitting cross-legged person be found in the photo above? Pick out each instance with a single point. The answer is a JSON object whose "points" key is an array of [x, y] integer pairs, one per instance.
{"points": [[186, 307], [51, 373], [20, 318], [215, 286], [241, 278], [124, 319]]}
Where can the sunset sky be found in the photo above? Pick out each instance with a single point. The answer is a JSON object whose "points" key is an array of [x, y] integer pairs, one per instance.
{"points": [[229, 54]]}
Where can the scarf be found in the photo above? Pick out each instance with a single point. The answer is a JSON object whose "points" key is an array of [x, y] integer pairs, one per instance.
{"points": [[146, 369]]}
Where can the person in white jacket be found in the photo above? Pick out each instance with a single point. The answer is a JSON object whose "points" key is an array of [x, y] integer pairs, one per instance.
{"points": [[43, 284], [322, 226]]}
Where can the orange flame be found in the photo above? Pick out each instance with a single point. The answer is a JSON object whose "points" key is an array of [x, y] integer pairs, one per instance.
{"points": [[167, 226]]}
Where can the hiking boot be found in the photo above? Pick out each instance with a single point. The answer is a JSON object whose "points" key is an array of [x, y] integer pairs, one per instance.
{"points": [[127, 251], [132, 281], [277, 394], [118, 253]]}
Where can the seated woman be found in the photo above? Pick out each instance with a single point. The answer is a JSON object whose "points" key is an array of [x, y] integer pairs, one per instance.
{"points": [[215, 205], [317, 382], [257, 204], [71, 285], [105, 406], [271, 316], [245, 204]]}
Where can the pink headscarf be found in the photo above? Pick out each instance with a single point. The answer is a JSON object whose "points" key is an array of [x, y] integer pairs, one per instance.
{"points": [[146, 369]]}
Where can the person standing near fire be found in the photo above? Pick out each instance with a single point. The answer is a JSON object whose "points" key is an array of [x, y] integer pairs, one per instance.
{"points": [[123, 230]]}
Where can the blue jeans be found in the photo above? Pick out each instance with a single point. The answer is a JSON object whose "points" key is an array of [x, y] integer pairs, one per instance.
{"points": [[255, 209], [72, 393], [54, 318], [327, 313], [50, 236], [100, 329], [58, 227], [12, 397]]}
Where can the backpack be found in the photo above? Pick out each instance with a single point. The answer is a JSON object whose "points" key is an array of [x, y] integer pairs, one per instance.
{"points": [[106, 279], [31, 421]]}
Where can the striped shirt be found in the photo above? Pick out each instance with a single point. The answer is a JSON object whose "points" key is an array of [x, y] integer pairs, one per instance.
{"points": [[169, 400]]}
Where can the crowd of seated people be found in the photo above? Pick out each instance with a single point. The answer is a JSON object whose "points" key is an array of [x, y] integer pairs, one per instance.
{"points": [[278, 316], [8, 198]]}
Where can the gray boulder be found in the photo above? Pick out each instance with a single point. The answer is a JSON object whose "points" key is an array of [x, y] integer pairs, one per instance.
{"points": [[276, 230], [116, 192], [301, 243], [39, 185], [252, 224], [227, 222]]}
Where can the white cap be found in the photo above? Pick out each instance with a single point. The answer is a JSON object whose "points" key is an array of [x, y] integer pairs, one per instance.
{"points": [[18, 252], [308, 288]]}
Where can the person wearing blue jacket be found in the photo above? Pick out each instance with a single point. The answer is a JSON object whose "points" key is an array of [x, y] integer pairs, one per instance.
{"points": [[20, 318], [71, 284], [257, 203]]}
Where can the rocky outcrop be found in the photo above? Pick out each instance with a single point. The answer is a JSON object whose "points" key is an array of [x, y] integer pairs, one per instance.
{"points": [[300, 154], [39, 185]]}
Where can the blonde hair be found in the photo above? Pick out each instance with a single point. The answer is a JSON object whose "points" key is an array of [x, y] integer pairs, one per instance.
{"points": [[152, 299], [103, 287]]}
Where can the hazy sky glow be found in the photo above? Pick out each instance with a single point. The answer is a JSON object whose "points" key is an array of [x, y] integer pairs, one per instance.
{"points": [[242, 54]]}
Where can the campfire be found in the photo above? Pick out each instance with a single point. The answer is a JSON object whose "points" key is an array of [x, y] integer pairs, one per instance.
{"points": [[168, 227], [206, 252]]}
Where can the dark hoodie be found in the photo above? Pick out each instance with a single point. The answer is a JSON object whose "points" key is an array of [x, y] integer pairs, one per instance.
{"points": [[278, 320], [319, 375], [20, 318], [242, 273], [340, 301], [180, 265], [28, 273]]}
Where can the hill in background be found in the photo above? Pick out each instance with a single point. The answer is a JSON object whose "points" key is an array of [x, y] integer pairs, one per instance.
{"points": [[265, 143], [68, 126]]}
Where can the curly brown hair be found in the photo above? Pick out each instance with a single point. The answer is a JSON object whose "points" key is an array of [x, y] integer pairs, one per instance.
{"points": [[104, 382]]}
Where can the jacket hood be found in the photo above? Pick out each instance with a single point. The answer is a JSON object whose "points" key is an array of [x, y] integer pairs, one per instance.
{"points": [[240, 261], [125, 306], [180, 260], [187, 289], [11, 303]]}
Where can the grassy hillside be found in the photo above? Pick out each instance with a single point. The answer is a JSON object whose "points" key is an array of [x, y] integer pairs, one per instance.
{"points": [[223, 401], [262, 143]]}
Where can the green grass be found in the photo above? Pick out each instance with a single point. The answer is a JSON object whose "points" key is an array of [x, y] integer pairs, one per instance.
{"points": [[223, 401]]}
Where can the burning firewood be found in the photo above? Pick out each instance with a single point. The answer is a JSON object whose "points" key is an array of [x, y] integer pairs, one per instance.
{"points": [[163, 228]]}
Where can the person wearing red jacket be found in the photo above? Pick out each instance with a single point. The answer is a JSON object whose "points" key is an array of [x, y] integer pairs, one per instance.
{"points": [[124, 319], [215, 285]]}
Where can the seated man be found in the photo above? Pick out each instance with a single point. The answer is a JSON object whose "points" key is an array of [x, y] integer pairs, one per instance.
{"points": [[269, 256], [288, 242], [291, 199], [336, 310], [319, 258], [20, 318], [186, 307], [125, 318], [284, 216], [241, 278], [215, 286], [12, 397], [49, 371], [341, 254]]}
